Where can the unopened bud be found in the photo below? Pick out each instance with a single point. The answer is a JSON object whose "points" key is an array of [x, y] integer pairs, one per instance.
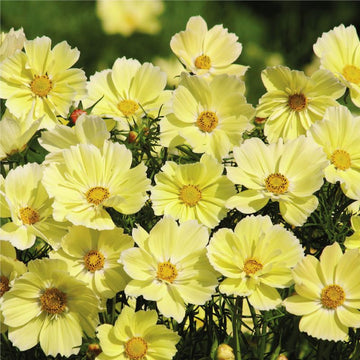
{"points": [[93, 351], [132, 136], [75, 114], [259, 120], [225, 352], [282, 357]]}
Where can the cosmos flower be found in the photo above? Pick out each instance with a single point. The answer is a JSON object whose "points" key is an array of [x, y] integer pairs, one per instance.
{"points": [[93, 260], [210, 116], [90, 179], [255, 258], [338, 135], [294, 101], [192, 191], [29, 208], [128, 91], [135, 336], [207, 52], [41, 78], [170, 266], [285, 172], [46, 303], [327, 293], [339, 52]]}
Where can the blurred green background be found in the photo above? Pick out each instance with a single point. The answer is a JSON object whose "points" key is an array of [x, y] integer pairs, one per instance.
{"points": [[271, 32]]}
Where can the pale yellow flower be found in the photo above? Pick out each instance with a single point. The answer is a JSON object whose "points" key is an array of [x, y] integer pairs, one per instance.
{"points": [[94, 258], [41, 78], [25, 201], [128, 91], [210, 116], [88, 129], [89, 179], [169, 266], [207, 52], [339, 52], [128, 16], [135, 336], [288, 173], [48, 306], [10, 269], [353, 241], [192, 191], [328, 293], [294, 101], [10, 42], [338, 135], [256, 259], [16, 133]]}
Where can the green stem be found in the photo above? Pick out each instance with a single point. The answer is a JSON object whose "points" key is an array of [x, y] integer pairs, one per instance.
{"points": [[113, 313], [263, 337], [237, 315]]}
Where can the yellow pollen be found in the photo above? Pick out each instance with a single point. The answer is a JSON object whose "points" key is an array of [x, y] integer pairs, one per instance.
{"points": [[251, 266], [190, 195], [128, 107], [203, 62], [53, 301], [332, 296], [352, 73], [276, 183], [94, 260], [136, 348], [341, 159], [166, 271], [4, 285], [207, 121], [97, 195], [41, 85], [29, 216], [297, 102]]}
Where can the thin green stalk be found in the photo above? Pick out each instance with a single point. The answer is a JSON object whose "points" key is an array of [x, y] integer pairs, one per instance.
{"points": [[263, 337], [237, 314]]}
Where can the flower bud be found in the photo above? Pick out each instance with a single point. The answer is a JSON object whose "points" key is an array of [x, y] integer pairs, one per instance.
{"points": [[225, 352]]}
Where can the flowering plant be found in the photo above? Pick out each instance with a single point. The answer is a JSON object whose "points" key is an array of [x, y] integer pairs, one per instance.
{"points": [[140, 221]]}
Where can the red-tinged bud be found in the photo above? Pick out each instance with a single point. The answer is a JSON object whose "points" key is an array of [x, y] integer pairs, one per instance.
{"points": [[132, 137], [93, 351], [75, 114], [259, 120]]}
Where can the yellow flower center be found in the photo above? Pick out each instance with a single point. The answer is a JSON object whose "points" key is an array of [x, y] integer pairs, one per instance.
{"points": [[332, 296], [341, 159], [297, 102], [166, 271], [41, 85], [251, 266], [4, 285], [276, 183], [207, 121], [190, 195], [29, 216], [352, 73], [94, 260], [53, 301], [203, 62], [128, 107], [136, 348], [97, 195]]}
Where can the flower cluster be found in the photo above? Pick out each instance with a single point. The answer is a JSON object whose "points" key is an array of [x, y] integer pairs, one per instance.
{"points": [[131, 214]]}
